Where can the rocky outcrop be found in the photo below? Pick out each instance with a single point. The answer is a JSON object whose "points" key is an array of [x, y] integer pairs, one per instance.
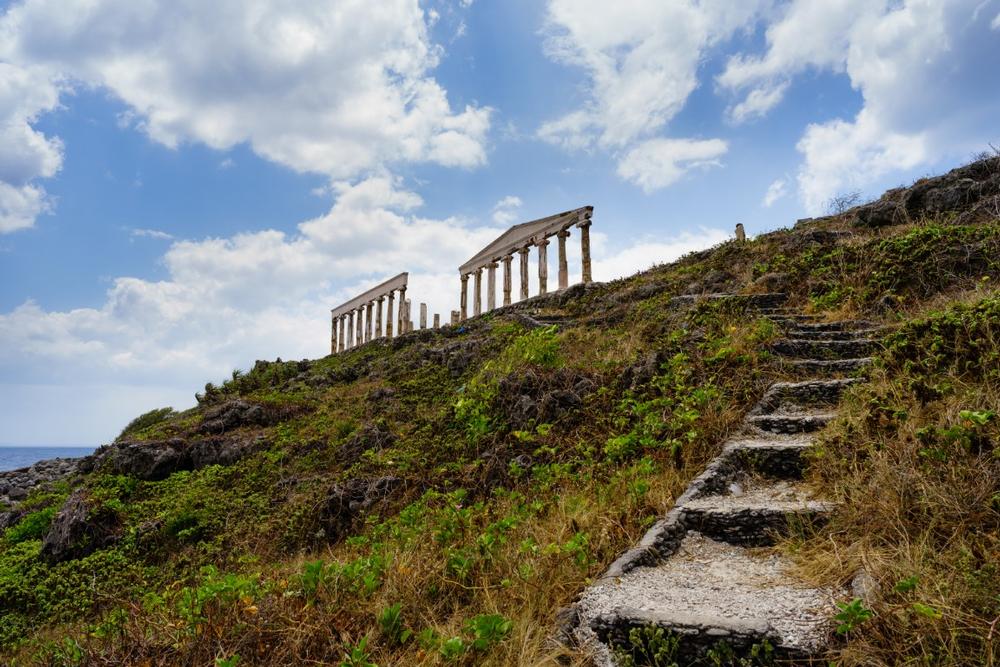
{"points": [[75, 532], [350, 501], [15, 485], [368, 437], [157, 460], [972, 191]]}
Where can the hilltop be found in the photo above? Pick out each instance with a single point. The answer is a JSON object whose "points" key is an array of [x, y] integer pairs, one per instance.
{"points": [[439, 497]]}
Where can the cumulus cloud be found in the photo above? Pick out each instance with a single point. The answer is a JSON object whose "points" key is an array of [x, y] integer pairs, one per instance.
{"points": [[918, 66], [657, 163], [642, 61], [775, 191], [505, 211], [327, 87], [26, 154]]}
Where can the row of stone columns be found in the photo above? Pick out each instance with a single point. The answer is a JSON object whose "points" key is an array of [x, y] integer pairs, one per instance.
{"points": [[365, 322], [543, 272]]}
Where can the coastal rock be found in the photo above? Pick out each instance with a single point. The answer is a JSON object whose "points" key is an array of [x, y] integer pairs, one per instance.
{"points": [[75, 531]]}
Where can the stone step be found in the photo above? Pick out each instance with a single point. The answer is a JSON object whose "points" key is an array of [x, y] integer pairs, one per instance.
{"points": [[753, 512], [805, 422], [827, 366], [824, 349], [842, 325], [807, 393], [773, 456], [838, 334], [709, 592]]}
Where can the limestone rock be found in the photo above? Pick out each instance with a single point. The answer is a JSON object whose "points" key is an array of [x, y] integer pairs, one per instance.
{"points": [[74, 532]]}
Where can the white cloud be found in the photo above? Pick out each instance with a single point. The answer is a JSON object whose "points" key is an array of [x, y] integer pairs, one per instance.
{"points": [[775, 191], [646, 253], [505, 211], [918, 65], [25, 153], [227, 163], [150, 233], [995, 25], [657, 163], [331, 87], [642, 60]]}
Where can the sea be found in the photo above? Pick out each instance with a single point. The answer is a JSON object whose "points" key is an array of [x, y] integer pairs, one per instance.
{"points": [[13, 457]]}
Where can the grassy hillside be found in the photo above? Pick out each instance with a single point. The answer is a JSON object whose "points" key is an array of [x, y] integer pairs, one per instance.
{"points": [[437, 498]]}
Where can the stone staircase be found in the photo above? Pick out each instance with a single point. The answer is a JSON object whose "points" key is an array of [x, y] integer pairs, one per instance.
{"points": [[705, 572]]}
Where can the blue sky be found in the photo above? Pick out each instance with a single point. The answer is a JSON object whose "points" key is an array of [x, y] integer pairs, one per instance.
{"points": [[186, 187]]}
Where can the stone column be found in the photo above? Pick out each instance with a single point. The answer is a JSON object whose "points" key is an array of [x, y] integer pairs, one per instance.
{"points": [[401, 329], [368, 320], [491, 286], [359, 335], [378, 316], [388, 314], [343, 332], [543, 266], [506, 279], [456, 317], [464, 300], [584, 226], [437, 321], [350, 329], [563, 266], [523, 252], [477, 297], [333, 334], [423, 316], [409, 314]]}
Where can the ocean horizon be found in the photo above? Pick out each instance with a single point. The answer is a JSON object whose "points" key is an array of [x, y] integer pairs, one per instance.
{"points": [[13, 457]]}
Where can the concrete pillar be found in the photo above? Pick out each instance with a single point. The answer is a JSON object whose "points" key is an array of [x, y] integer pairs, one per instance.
{"points": [[506, 279], [456, 317], [333, 334], [359, 334], [368, 320], [423, 316], [388, 314], [491, 286], [350, 329], [584, 226], [563, 266], [543, 266], [523, 252], [477, 297], [401, 329], [378, 316], [464, 300], [437, 321]]}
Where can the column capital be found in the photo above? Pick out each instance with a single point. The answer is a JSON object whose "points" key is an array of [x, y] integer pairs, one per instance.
{"points": [[492, 265], [543, 242], [524, 251], [563, 233]]}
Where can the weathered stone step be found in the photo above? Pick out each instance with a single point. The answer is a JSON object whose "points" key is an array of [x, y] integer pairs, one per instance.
{"points": [[838, 334], [751, 513], [805, 394], [708, 592], [842, 325], [773, 456], [806, 422], [824, 349], [828, 366]]}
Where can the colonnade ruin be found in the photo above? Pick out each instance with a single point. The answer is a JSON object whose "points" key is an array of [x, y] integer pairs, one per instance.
{"points": [[360, 320]]}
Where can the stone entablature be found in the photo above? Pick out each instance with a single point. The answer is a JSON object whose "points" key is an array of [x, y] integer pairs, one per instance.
{"points": [[520, 239]]}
